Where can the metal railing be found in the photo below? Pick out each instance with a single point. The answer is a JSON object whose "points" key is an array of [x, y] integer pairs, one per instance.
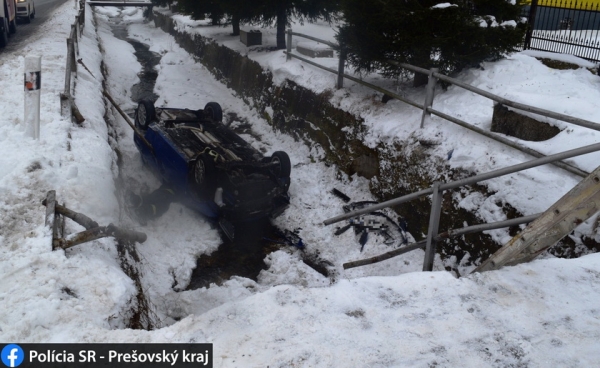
{"points": [[427, 108], [564, 26], [437, 191], [67, 105], [438, 188]]}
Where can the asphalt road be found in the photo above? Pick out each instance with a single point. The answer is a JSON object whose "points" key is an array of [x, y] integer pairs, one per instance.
{"points": [[43, 12]]}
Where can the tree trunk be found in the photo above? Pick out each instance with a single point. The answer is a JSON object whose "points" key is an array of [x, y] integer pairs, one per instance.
{"points": [[235, 23], [422, 58], [420, 79], [281, 23]]}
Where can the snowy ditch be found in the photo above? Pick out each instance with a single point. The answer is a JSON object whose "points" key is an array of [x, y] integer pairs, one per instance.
{"points": [[244, 255], [185, 267], [543, 313]]}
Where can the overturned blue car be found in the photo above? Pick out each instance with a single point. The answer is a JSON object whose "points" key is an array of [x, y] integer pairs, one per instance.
{"points": [[213, 170]]}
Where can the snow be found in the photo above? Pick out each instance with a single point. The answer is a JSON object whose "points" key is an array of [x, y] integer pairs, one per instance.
{"points": [[443, 6], [544, 313]]}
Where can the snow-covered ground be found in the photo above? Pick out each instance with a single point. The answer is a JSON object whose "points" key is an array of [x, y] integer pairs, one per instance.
{"points": [[545, 313]]}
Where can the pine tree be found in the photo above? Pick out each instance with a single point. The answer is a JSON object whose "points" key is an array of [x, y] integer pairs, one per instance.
{"points": [[199, 9], [240, 12], [265, 12], [282, 11], [428, 33]]}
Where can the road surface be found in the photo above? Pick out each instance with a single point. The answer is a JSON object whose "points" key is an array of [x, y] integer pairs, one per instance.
{"points": [[43, 12]]}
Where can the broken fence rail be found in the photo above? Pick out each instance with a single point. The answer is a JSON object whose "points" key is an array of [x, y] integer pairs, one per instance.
{"points": [[445, 235], [55, 221], [438, 188]]}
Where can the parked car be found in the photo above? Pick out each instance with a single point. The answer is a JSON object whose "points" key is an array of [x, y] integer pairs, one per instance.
{"points": [[219, 174], [8, 20], [25, 10]]}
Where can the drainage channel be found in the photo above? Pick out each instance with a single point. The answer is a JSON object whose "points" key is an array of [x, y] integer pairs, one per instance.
{"points": [[254, 240]]}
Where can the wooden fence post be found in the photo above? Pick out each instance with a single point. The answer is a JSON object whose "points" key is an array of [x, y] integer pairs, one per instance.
{"points": [[575, 207], [82, 12], [429, 96], [434, 224], [51, 216]]}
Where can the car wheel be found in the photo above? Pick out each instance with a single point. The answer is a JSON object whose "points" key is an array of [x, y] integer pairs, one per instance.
{"points": [[4, 35], [213, 111], [203, 172], [145, 114], [28, 19], [33, 13], [282, 165]]}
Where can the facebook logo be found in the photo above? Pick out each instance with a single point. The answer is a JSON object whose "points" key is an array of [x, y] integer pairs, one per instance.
{"points": [[12, 355]]}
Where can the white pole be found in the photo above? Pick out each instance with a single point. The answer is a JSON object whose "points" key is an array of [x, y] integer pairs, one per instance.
{"points": [[33, 84]]}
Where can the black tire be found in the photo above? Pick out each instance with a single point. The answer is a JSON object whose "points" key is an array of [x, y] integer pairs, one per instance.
{"points": [[32, 13], [284, 167], [145, 114], [12, 27], [4, 34], [203, 172], [28, 19], [213, 111]]}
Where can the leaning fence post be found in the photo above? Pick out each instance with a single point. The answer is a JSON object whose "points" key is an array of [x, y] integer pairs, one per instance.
{"points": [[341, 64], [65, 97], [51, 215], [289, 44], [430, 93], [434, 224], [82, 7]]}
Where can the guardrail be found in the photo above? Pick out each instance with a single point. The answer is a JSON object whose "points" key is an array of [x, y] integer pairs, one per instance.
{"points": [[427, 105], [67, 104]]}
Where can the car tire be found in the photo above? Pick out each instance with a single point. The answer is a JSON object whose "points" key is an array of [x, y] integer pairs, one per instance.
{"points": [[284, 167], [33, 13], [28, 18], [203, 172], [4, 34], [213, 111], [145, 114]]}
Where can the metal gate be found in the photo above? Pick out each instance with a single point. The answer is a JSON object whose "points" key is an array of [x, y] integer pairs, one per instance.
{"points": [[564, 26]]}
